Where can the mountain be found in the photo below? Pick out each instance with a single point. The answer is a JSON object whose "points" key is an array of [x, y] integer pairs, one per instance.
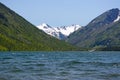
{"points": [[51, 31], [59, 32], [103, 31], [17, 34]]}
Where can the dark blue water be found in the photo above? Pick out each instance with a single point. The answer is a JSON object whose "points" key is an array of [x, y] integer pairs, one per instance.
{"points": [[59, 65]]}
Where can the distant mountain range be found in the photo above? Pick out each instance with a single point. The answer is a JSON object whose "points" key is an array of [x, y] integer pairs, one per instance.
{"points": [[59, 32], [103, 32], [17, 34]]}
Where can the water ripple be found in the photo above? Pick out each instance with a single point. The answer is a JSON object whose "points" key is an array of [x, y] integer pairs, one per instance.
{"points": [[59, 66]]}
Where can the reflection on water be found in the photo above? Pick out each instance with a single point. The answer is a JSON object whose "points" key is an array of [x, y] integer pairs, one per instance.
{"points": [[59, 65]]}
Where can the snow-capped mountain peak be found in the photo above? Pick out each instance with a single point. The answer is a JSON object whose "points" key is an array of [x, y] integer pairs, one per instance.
{"points": [[59, 32], [67, 30], [44, 26]]}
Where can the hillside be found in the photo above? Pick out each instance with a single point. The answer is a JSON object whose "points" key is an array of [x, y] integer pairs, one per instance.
{"points": [[102, 32], [17, 34]]}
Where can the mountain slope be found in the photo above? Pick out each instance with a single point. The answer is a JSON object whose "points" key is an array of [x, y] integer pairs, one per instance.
{"points": [[18, 34], [104, 30], [59, 32]]}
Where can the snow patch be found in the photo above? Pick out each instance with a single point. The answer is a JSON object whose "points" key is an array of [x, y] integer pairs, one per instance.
{"points": [[117, 19]]}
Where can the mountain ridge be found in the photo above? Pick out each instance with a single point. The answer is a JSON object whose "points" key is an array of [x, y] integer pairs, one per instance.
{"points": [[97, 32], [59, 32]]}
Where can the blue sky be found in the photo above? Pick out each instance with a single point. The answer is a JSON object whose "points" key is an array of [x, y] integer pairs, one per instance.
{"points": [[60, 12]]}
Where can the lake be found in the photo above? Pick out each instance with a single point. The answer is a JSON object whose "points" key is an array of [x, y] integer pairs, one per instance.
{"points": [[60, 65]]}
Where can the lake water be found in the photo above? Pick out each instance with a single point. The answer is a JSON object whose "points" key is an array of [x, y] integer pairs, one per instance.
{"points": [[59, 65]]}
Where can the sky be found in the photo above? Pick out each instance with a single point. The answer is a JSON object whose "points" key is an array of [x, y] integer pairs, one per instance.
{"points": [[60, 12]]}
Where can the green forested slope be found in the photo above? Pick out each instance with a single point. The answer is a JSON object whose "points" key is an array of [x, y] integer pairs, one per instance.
{"points": [[17, 34]]}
